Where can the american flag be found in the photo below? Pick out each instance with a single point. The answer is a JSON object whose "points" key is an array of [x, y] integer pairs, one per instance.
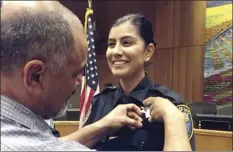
{"points": [[90, 83]]}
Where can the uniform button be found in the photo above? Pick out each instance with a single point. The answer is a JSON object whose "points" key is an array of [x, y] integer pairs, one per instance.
{"points": [[142, 143]]}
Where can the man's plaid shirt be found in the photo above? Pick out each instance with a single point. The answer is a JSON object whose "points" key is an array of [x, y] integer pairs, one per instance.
{"points": [[22, 129]]}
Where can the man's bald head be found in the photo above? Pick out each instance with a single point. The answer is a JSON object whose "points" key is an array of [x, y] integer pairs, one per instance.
{"points": [[43, 30]]}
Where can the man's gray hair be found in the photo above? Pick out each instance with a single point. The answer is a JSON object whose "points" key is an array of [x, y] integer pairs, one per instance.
{"points": [[43, 35]]}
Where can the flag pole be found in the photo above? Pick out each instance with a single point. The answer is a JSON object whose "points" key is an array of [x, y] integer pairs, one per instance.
{"points": [[89, 11]]}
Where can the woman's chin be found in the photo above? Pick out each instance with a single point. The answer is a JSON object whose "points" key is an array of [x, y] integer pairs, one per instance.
{"points": [[120, 74]]}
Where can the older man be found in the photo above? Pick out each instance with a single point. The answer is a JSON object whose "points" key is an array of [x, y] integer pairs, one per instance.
{"points": [[43, 53]]}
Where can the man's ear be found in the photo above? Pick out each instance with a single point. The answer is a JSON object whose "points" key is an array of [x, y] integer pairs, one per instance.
{"points": [[33, 75], [149, 52]]}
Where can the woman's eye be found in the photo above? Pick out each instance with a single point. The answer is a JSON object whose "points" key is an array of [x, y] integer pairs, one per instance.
{"points": [[111, 45], [127, 43]]}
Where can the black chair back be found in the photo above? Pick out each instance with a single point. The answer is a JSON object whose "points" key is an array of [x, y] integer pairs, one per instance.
{"points": [[201, 108]]}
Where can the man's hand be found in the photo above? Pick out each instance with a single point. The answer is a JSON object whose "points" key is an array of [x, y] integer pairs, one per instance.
{"points": [[161, 109], [176, 137], [123, 115]]}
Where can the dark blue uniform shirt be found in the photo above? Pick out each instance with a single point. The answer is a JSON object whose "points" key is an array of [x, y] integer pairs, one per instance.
{"points": [[151, 135]]}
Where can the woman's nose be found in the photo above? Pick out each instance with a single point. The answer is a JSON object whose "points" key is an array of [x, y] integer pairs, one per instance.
{"points": [[117, 50]]}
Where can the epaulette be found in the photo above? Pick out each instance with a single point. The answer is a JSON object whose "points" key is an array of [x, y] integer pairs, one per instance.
{"points": [[168, 93], [107, 89], [110, 88]]}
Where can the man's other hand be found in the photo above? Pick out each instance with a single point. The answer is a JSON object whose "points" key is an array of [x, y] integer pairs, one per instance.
{"points": [[162, 109], [123, 115]]}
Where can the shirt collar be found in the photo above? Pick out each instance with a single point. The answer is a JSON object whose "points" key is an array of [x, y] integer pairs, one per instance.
{"points": [[139, 92], [22, 115]]}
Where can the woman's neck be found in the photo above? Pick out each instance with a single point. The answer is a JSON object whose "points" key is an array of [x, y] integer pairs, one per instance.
{"points": [[128, 84]]}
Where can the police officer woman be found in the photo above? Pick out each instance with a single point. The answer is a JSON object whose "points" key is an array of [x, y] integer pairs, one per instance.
{"points": [[130, 47]]}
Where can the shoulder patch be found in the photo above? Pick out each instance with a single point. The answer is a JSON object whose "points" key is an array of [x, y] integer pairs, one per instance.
{"points": [[188, 118]]}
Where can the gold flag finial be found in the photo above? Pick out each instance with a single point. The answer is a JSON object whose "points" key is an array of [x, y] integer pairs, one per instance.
{"points": [[88, 12], [90, 4]]}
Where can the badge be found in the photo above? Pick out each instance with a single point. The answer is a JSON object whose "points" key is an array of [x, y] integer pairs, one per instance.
{"points": [[146, 111], [188, 118]]}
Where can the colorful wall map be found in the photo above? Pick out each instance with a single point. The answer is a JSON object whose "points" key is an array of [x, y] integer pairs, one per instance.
{"points": [[218, 52]]}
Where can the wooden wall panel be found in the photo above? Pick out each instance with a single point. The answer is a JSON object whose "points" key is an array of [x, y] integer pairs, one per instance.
{"points": [[105, 75], [179, 70], [188, 72], [162, 67], [189, 23], [164, 24], [77, 7], [180, 25], [198, 73]]}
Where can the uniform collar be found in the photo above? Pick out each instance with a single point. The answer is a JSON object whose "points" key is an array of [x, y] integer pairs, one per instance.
{"points": [[20, 114], [139, 92]]}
